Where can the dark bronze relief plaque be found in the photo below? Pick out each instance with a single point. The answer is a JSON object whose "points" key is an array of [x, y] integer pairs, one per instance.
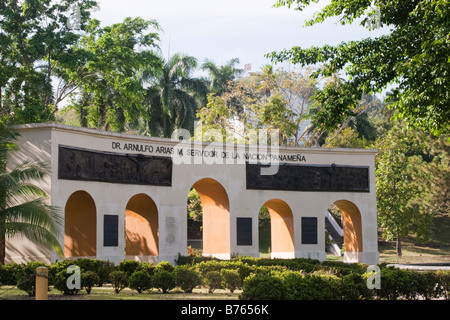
{"points": [[90, 165], [295, 177]]}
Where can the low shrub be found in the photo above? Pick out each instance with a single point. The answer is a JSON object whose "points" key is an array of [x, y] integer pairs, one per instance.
{"points": [[444, 283], [424, 285], [57, 267], [104, 269], [87, 264], [409, 284], [129, 266], [100, 267], [243, 269], [164, 280], [60, 283], [354, 287], [340, 268], [231, 279], [164, 265], [26, 277], [89, 279], [140, 281], [147, 267], [305, 264], [312, 287], [213, 280], [119, 280], [262, 286], [9, 273], [187, 278]]}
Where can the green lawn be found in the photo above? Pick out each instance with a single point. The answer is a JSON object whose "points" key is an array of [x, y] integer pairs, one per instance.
{"points": [[436, 250], [107, 293]]}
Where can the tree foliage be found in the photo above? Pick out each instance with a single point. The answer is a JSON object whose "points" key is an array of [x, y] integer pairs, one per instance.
{"points": [[220, 76], [170, 100], [413, 57], [35, 37], [267, 100], [413, 179], [109, 76]]}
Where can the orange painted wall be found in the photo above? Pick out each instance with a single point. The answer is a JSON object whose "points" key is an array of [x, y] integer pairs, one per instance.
{"points": [[80, 225], [282, 226], [216, 216], [351, 225], [141, 226]]}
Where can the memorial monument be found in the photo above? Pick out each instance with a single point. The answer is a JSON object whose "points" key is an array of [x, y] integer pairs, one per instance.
{"points": [[125, 196]]}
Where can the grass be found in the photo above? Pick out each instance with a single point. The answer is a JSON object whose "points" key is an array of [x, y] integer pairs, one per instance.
{"points": [[107, 293], [436, 250], [414, 253]]}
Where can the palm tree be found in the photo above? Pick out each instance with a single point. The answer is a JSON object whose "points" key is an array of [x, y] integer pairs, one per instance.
{"points": [[173, 96], [220, 76], [23, 211]]}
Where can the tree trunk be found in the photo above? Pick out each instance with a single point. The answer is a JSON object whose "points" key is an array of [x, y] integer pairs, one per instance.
{"points": [[2, 249], [399, 247]]}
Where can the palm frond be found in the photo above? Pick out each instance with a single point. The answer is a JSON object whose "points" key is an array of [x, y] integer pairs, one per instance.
{"points": [[34, 233], [15, 185], [29, 170], [35, 212]]}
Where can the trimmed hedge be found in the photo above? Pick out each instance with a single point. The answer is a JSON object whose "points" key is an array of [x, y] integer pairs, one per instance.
{"points": [[262, 286], [294, 279]]}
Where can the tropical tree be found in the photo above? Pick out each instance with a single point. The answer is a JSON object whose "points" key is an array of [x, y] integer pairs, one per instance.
{"points": [[23, 208], [412, 57], [264, 101], [220, 76], [108, 81], [172, 97], [413, 181], [36, 36]]}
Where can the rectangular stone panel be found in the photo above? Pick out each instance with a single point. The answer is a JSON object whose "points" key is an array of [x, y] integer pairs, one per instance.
{"points": [[90, 165], [321, 178]]}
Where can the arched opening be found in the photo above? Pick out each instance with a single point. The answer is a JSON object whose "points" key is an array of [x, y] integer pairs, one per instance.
{"points": [[141, 227], [80, 226], [194, 222], [346, 227], [281, 229], [264, 233], [215, 218]]}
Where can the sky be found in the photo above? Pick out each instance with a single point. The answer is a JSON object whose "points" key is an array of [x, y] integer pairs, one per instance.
{"points": [[226, 29]]}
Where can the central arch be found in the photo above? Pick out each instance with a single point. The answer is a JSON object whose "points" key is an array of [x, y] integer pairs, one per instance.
{"points": [[216, 218], [141, 227], [281, 229]]}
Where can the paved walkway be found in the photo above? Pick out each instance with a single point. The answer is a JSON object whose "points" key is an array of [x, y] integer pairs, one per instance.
{"points": [[422, 267]]}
